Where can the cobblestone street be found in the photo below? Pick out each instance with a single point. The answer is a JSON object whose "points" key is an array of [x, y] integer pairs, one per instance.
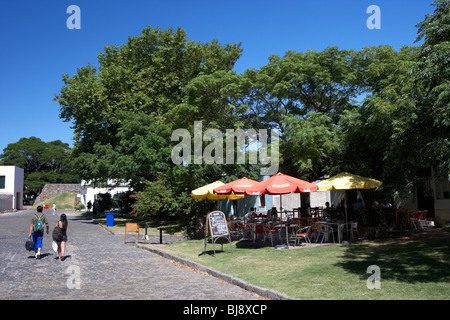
{"points": [[103, 265]]}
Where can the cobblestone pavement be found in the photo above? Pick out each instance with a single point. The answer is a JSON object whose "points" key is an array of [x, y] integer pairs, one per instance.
{"points": [[98, 266]]}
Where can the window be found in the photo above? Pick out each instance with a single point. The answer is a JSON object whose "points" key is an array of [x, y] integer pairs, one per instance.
{"points": [[2, 182]]}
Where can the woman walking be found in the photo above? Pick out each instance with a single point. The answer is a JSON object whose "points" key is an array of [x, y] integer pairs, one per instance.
{"points": [[62, 224]]}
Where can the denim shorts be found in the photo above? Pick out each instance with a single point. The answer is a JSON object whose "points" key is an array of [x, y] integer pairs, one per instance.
{"points": [[37, 240]]}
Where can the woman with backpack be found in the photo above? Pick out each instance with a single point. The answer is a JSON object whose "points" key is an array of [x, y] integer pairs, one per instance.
{"points": [[61, 238], [37, 230]]}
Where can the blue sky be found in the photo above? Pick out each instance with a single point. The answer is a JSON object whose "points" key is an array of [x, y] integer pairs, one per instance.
{"points": [[37, 47]]}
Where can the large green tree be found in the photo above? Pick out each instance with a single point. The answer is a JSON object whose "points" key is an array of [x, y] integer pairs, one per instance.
{"points": [[43, 162], [433, 72], [377, 112], [120, 110]]}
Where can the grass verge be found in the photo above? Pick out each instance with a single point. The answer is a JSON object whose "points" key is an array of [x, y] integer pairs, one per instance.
{"points": [[414, 269]]}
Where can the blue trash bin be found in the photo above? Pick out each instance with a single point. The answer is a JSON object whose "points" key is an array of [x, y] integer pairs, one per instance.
{"points": [[109, 219]]}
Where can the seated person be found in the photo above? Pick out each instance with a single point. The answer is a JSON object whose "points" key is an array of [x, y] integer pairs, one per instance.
{"points": [[251, 214], [386, 205], [273, 212], [359, 205]]}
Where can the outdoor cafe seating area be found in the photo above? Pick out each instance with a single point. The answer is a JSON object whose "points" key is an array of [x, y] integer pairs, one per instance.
{"points": [[322, 226], [290, 228], [335, 224]]}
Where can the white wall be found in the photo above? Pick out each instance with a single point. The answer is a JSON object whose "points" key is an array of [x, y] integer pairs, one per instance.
{"points": [[89, 192]]}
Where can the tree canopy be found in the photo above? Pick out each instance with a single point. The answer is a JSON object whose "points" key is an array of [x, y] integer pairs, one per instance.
{"points": [[377, 112], [43, 162]]}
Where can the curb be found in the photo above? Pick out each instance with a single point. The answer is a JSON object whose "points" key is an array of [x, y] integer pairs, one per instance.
{"points": [[267, 293], [263, 292], [103, 227]]}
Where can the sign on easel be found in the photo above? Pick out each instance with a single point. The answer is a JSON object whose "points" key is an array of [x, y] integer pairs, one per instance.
{"points": [[216, 227], [217, 224]]}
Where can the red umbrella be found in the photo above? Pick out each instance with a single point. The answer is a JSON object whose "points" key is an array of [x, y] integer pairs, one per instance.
{"points": [[238, 186], [281, 184]]}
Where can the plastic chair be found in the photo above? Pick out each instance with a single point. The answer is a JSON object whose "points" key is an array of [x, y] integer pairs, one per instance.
{"points": [[265, 232], [420, 220], [353, 229], [324, 230], [236, 228], [296, 210], [423, 220], [270, 233], [302, 233]]}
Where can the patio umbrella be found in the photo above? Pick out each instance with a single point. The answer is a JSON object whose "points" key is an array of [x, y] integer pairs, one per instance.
{"points": [[206, 192], [281, 184], [348, 181], [237, 186]]}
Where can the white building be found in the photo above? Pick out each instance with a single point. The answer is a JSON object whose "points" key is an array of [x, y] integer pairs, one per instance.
{"points": [[90, 192], [11, 188]]}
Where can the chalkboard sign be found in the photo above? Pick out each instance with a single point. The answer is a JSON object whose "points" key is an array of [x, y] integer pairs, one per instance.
{"points": [[216, 227], [217, 223]]}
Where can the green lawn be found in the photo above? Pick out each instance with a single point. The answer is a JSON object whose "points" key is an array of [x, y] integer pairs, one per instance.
{"points": [[62, 201], [413, 269]]}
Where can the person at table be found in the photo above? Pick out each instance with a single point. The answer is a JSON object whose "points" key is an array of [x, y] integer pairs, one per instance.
{"points": [[359, 212], [386, 204], [341, 205], [272, 213], [359, 205], [250, 215], [388, 211]]}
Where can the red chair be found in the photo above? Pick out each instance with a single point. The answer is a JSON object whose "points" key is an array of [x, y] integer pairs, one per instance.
{"points": [[302, 233], [420, 220], [265, 231]]}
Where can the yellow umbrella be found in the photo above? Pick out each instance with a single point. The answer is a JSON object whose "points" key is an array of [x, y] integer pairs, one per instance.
{"points": [[206, 192], [347, 181]]}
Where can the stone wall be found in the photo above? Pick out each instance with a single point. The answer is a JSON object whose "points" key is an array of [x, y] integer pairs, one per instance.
{"points": [[51, 190]]}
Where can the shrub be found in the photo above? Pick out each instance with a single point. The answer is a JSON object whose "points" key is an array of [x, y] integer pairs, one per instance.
{"points": [[79, 206], [105, 202], [157, 200]]}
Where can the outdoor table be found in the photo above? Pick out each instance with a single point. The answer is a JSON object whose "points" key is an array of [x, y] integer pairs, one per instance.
{"points": [[286, 226], [242, 225], [308, 220], [406, 213], [254, 223], [339, 226]]}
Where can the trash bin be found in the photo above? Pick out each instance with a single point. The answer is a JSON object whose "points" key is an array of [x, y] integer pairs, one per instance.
{"points": [[109, 219]]}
